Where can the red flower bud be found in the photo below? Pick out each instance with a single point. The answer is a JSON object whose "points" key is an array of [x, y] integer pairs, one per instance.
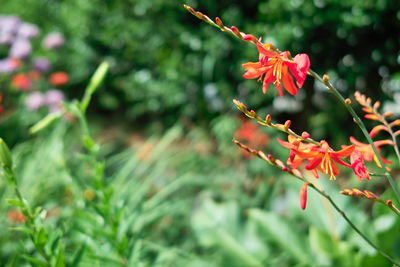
{"points": [[303, 195]]}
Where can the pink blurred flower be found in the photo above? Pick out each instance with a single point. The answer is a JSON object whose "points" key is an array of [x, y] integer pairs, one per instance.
{"points": [[53, 40], [35, 101]]}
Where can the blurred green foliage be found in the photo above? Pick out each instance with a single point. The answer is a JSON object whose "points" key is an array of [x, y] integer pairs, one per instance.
{"points": [[175, 206], [176, 201]]}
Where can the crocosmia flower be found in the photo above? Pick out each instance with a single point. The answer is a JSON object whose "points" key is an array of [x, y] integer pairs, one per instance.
{"points": [[294, 161], [358, 166], [323, 158], [278, 68], [367, 151]]}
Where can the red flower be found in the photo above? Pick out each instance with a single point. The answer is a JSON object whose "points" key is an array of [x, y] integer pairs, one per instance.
{"points": [[294, 161], [58, 78], [21, 81], [358, 166], [323, 158], [367, 151], [276, 68]]}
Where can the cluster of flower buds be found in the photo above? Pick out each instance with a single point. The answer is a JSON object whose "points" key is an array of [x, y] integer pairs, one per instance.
{"points": [[233, 30], [372, 113], [354, 192]]}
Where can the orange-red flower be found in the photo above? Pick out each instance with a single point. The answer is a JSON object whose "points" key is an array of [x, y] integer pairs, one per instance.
{"points": [[21, 81], [276, 68], [358, 166], [323, 158], [294, 161], [58, 78], [368, 152]]}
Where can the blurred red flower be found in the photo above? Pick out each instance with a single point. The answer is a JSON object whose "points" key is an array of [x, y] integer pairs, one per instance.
{"points": [[16, 216], [21, 81], [58, 78], [250, 133]]}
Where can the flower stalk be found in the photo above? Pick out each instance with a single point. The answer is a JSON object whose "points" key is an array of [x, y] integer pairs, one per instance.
{"points": [[296, 173], [361, 126]]}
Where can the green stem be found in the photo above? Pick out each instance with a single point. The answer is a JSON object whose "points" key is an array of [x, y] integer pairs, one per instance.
{"points": [[362, 127], [380, 251], [30, 217], [269, 159]]}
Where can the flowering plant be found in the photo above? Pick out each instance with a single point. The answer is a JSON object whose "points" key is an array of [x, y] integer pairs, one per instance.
{"points": [[28, 72], [281, 69]]}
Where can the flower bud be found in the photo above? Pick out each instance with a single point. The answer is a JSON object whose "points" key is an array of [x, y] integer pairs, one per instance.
{"points": [[287, 124], [303, 195], [305, 135], [325, 78], [268, 119], [250, 37], [219, 22], [377, 104], [5, 155], [236, 32], [347, 101], [388, 114]]}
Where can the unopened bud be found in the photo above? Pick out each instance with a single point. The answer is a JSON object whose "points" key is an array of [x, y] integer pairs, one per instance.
{"points": [[236, 32], [377, 104], [325, 78], [388, 114], [287, 124], [303, 195], [305, 135], [219, 22], [250, 37], [5, 155], [389, 203], [268, 119], [347, 101], [271, 158]]}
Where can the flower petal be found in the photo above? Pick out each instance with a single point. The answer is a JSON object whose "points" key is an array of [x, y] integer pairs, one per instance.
{"points": [[288, 81], [345, 152], [313, 163]]}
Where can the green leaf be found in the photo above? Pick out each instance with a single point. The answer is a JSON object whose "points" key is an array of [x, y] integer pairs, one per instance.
{"points": [[15, 202], [45, 122], [35, 261], [23, 230], [41, 237], [60, 262], [78, 256], [283, 234]]}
